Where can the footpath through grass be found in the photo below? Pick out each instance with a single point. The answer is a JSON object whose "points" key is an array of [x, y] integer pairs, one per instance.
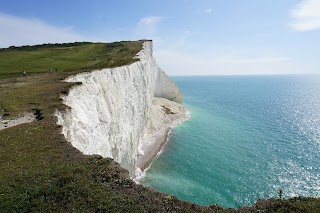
{"points": [[41, 172]]}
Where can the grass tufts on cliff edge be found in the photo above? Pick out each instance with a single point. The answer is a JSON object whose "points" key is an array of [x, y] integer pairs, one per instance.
{"points": [[41, 172]]}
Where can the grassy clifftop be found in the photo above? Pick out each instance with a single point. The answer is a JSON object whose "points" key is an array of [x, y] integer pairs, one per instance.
{"points": [[41, 172], [66, 57]]}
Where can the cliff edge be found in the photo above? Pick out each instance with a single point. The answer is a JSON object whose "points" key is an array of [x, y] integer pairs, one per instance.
{"points": [[124, 113]]}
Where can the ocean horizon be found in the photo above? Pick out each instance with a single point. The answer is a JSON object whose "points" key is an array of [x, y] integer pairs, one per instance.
{"points": [[248, 137]]}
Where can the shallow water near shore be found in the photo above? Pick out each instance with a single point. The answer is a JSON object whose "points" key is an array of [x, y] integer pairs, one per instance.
{"points": [[247, 137]]}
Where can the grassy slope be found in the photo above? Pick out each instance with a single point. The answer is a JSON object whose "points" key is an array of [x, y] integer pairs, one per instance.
{"points": [[40, 171], [85, 56]]}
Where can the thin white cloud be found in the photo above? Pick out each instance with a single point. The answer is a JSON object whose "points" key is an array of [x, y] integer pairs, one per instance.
{"points": [[256, 60], [209, 10], [150, 20], [147, 27], [19, 31], [182, 40], [306, 16]]}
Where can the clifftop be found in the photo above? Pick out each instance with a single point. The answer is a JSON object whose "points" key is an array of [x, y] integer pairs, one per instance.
{"points": [[110, 112], [67, 57]]}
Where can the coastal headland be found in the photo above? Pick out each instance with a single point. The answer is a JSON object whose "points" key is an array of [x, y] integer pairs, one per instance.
{"points": [[60, 129], [122, 112]]}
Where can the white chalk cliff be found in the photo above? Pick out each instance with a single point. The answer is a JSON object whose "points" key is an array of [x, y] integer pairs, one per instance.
{"points": [[123, 113]]}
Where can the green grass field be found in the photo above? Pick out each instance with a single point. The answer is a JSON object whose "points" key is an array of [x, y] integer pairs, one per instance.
{"points": [[66, 58], [41, 172]]}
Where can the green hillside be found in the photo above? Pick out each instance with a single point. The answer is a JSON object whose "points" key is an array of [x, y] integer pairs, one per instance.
{"points": [[65, 57]]}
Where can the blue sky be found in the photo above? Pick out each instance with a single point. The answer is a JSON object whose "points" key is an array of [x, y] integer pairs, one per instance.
{"points": [[191, 37]]}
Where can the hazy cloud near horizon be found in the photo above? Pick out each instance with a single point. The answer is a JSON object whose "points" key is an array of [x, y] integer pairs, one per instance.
{"points": [[207, 64], [16, 31]]}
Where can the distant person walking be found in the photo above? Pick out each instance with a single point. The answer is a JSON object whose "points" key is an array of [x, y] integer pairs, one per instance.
{"points": [[24, 73], [56, 69], [50, 70]]}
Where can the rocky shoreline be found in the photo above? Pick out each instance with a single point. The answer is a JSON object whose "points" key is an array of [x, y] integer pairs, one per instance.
{"points": [[164, 116]]}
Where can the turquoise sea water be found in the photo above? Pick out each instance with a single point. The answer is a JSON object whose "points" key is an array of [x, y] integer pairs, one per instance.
{"points": [[247, 137]]}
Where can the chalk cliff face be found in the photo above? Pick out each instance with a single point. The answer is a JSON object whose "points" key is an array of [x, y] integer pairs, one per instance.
{"points": [[114, 112], [166, 88]]}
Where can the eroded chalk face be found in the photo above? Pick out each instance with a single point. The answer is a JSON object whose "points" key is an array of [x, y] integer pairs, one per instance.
{"points": [[24, 118], [110, 112]]}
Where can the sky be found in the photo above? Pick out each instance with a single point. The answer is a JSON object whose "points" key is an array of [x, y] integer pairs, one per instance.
{"points": [[191, 37]]}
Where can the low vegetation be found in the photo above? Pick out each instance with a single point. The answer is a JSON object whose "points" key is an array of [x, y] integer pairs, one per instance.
{"points": [[41, 172], [79, 56]]}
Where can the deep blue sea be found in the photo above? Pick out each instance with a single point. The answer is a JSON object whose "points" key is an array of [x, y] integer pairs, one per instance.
{"points": [[248, 136]]}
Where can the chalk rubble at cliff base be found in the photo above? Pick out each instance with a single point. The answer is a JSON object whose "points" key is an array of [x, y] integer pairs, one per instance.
{"points": [[164, 116], [123, 113]]}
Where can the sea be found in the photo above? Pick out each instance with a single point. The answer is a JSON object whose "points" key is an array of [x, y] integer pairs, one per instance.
{"points": [[247, 138]]}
